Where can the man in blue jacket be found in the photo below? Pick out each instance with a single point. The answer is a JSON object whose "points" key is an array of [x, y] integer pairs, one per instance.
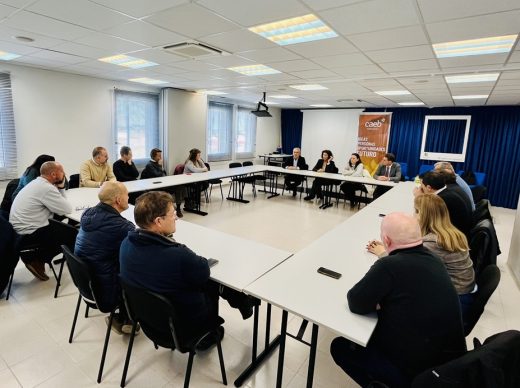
{"points": [[98, 242]]}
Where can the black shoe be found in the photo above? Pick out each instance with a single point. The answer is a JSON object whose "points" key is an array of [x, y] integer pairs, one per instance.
{"points": [[179, 213], [294, 193], [210, 340], [309, 198]]}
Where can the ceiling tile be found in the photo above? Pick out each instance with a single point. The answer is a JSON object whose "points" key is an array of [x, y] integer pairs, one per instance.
{"points": [[39, 62], [139, 8], [253, 12], [40, 41], [17, 3], [380, 84], [145, 33], [237, 41], [423, 64], [227, 60], [19, 49], [274, 54], [509, 75], [371, 16], [474, 60], [117, 45], [82, 50], [54, 56], [191, 20], [343, 60], [46, 26], [457, 89], [157, 55], [515, 57], [321, 73], [504, 23], [398, 37], [296, 65], [168, 70], [322, 48], [357, 71], [434, 11], [325, 4], [193, 65], [401, 54], [79, 12], [6, 11]]}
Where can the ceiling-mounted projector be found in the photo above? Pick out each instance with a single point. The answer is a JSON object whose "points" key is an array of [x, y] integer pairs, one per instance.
{"points": [[262, 110]]}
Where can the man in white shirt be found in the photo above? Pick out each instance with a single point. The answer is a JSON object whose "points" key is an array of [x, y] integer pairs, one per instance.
{"points": [[30, 213], [296, 162]]}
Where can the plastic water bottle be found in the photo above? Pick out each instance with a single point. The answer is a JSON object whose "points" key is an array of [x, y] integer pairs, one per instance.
{"points": [[417, 181]]}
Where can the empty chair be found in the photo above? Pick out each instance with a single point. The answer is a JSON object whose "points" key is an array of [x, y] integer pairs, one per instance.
{"points": [[487, 283], [160, 322], [82, 277], [482, 211], [211, 183], [74, 181], [8, 254], [404, 171], [424, 168], [483, 245], [7, 200], [493, 364]]}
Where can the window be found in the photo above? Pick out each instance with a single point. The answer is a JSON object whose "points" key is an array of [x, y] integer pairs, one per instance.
{"points": [[136, 122], [8, 165], [231, 132]]}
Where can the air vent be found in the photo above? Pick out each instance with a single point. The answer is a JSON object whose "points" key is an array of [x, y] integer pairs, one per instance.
{"points": [[193, 50]]}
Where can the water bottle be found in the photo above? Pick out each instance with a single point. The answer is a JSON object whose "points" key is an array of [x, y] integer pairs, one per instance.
{"points": [[417, 181]]}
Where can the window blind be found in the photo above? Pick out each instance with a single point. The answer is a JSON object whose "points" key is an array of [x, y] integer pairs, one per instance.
{"points": [[8, 162]]}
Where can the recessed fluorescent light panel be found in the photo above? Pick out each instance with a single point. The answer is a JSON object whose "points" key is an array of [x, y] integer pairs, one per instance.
{"points": [[415, 103], [393, 92], [308, 87], [321, 106], [252, 70], [471, 97], [462, 48], [148, 81], [295, 30], [466, 78], [5, 56], [126, 61], [282, 96]]}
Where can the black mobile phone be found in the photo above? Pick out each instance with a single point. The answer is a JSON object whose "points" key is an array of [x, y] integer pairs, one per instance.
{"points": [[212, 262], [156, 182], [328, 272], [382, 215]]}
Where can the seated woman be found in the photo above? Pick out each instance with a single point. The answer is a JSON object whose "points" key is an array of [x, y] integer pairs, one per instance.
{"points": [[444, 240], [193, 165], [32, 172], [353, 168], [325, 164]]}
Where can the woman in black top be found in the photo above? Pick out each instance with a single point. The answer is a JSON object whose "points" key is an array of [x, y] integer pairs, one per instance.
{"points": [[325, 164]]}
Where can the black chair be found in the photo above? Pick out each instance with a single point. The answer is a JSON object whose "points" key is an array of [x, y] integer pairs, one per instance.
{"points": [[491, 365], [487, 283], [67, 235], [211, 183], [83, 280], [300, 187], [159, 321], [74, 181], [237, 182], [8, 254], [482, 211], [7, 200], [255, 177], [483, 245]]}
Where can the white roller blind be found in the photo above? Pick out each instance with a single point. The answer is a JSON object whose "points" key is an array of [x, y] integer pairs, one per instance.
{"points": [[8, 163], [245, 138], [220, 127]]}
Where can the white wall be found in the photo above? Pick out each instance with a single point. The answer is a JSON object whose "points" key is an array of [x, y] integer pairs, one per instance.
{"points": [[268, 133], [333, 129], [62, 114]]}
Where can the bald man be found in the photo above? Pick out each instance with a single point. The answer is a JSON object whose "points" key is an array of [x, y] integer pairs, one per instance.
{"points": [[30, 213], [99, 238], [419, 319], [448, 169]]}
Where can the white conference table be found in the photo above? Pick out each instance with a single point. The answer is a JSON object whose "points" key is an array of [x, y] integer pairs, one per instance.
{"points": [[399, 199]]}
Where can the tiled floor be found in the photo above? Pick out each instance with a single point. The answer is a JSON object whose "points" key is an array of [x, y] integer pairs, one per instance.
{"points": [[34, 327]]}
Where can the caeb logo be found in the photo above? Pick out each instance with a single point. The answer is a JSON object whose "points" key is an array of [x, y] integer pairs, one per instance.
{"points": [[375, 123]]}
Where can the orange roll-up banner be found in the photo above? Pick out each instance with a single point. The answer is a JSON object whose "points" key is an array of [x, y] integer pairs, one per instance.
{"points": [[373, 136]]}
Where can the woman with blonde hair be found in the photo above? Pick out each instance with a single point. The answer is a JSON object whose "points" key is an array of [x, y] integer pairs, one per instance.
{"points": [[444, 240]]}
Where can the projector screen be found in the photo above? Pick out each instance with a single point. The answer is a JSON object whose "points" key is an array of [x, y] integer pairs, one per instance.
{"points": [[445, 138], [333, 129]]}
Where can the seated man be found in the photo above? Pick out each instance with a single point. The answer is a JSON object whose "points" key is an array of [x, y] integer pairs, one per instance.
{"points": [[296, 162], [419, 320], [150, 258], [95, 171], [124, 168], [98, 242], [461, 215], [388, 170], [33, 206], [447, 168]]}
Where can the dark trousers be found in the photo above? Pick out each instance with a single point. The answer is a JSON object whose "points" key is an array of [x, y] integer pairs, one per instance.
{"points": [[349, 188], [292, 181], [366, 365], [316, 187], [380, 190], [47, 242]]}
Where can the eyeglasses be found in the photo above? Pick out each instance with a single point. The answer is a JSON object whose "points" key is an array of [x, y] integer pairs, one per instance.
{"points": [[174, 214]]}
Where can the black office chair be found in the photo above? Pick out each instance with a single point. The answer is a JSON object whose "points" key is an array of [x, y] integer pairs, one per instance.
{"points": [[67, 235], [7, 200], [211, 183], [236, 180], [493, 364], [487, 283], [482, 211], [301, 188], [159, 321], [252, 178], [483, 245], [74, 181], [83, 280], [9, 254]]}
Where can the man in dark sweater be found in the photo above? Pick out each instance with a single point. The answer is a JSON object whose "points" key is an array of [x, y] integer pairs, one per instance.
{"points": [[124, 168], [419, 320]]}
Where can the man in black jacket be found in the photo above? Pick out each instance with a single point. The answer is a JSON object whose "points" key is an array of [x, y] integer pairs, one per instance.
{"points": [[296, 162], [98, 242], [419, 320], [124, 168]]}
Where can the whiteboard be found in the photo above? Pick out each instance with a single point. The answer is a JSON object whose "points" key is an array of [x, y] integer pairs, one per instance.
{"points": [[333, 129]]}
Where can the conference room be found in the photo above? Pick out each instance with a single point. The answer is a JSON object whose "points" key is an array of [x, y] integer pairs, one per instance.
{"points": [[436, 81]]}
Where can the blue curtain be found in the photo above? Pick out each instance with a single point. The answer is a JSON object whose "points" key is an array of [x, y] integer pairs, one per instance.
{"points": [[292, 121], [493, 145], [445, 136]]}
